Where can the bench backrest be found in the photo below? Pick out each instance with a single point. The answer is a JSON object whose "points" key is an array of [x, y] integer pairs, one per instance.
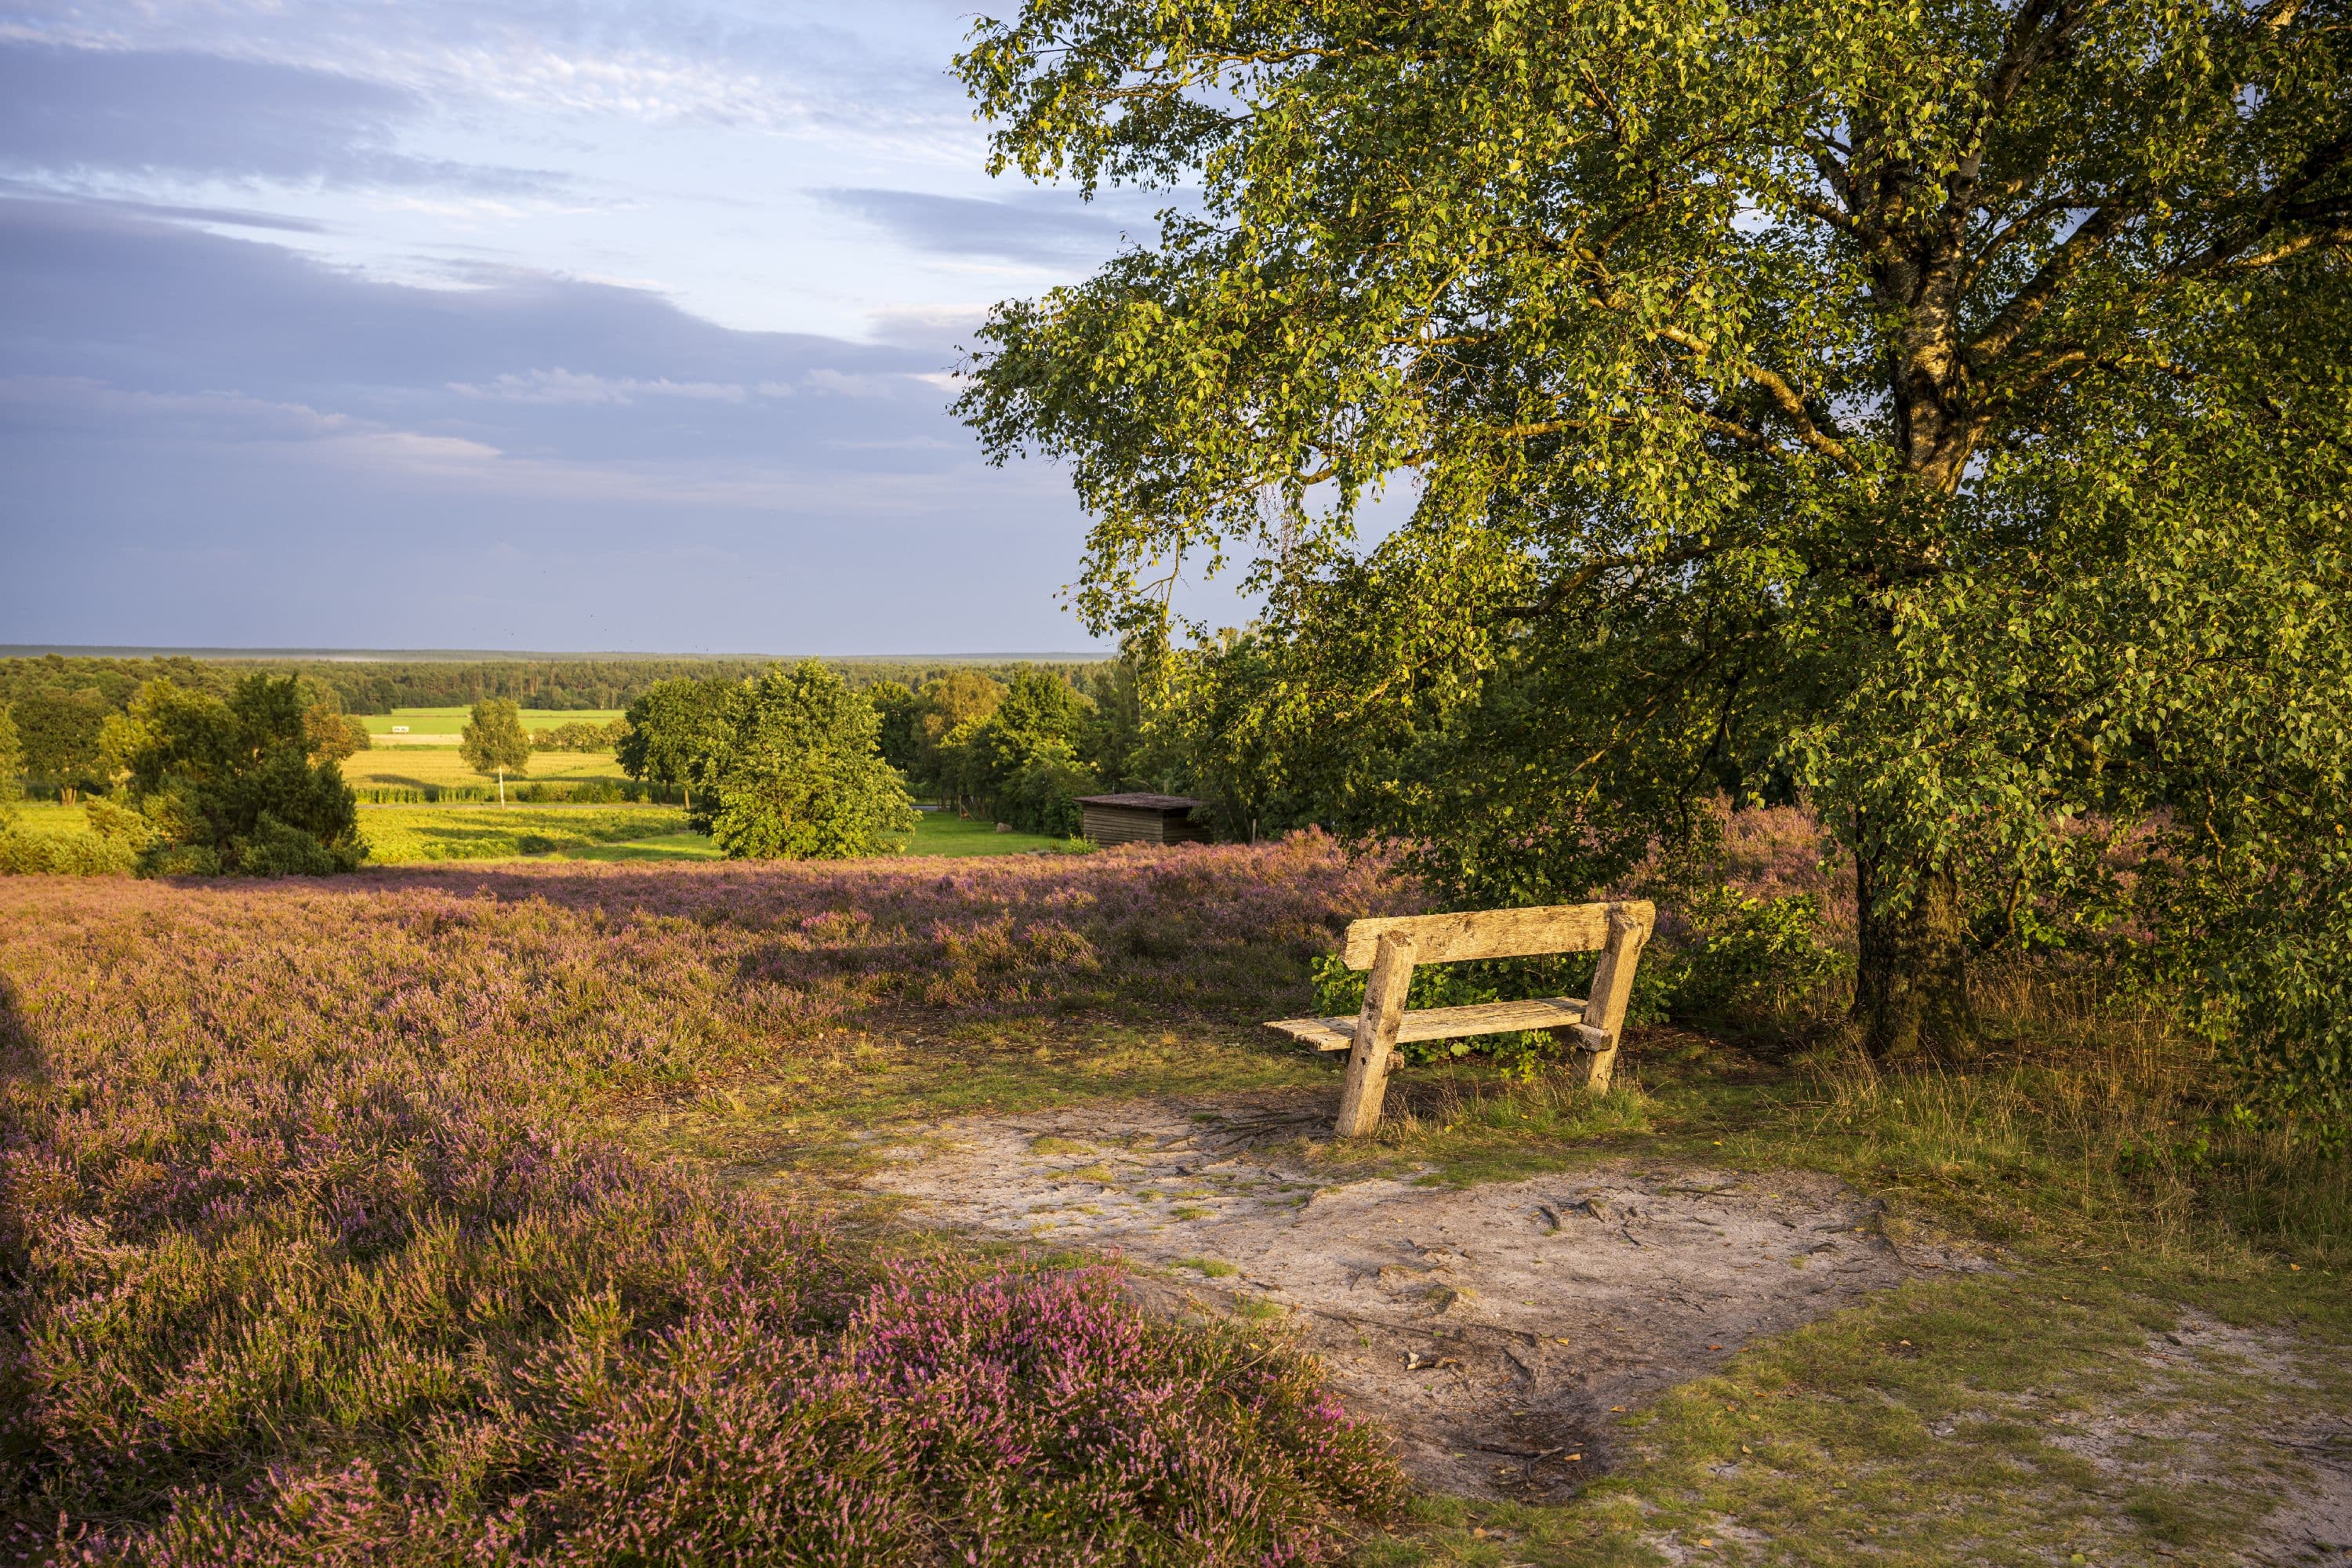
{"points": [[1495, 933]]}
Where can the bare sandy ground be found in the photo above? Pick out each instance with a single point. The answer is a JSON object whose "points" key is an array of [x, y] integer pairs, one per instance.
{"points": [[1492, 1328], [1498, 1330]]}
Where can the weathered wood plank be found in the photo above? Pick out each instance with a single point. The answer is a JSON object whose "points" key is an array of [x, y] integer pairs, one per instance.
{"points": [[1376, 1035], [1495, 933], [1612, 987], [1445, 1023]]}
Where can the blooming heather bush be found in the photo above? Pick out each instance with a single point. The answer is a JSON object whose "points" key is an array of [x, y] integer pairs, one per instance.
{"points": [[299, 1260]]}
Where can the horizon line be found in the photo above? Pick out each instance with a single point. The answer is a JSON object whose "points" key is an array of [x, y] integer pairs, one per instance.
{"points": [[464, 656]]}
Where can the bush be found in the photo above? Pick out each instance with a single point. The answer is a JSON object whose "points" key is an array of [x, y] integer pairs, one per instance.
{"points": [[28, 854], [180, 861], [119, 825], [581, 736], [1742, 953]]}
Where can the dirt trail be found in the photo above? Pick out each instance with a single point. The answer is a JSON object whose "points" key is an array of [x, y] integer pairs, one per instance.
{"points": [[1492, 1327]]}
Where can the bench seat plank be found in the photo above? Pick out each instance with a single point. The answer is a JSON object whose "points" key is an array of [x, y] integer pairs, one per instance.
{"points": [[1444, 1023]]}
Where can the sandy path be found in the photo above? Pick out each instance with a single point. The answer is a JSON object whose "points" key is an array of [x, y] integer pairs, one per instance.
{"points": [[1493, 1326]]}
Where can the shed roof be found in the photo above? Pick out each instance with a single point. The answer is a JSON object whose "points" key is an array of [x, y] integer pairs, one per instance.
{"points": [[1141, 802]]}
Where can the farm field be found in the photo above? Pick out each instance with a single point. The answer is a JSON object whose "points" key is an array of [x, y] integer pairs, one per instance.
{"points": [[404, 834], [418, 767], [400, 834], [451, 720], [1996, 1312]]}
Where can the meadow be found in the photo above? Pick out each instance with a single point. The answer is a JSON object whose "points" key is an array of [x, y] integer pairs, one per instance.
{"points": [[451, 720], [409, 834], [312, 1247], [417, 767], [522, 1210]]}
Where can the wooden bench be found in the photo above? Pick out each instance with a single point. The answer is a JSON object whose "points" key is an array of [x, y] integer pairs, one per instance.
{"points": [[1389, 948]]}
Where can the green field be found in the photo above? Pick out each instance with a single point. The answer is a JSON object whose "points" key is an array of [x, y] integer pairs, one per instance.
{"points": [[401, 834], [409, 834], [415, 767], [47, 816], [405, 835], [450, 721]]}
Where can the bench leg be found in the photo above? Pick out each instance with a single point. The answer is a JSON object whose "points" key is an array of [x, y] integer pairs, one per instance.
{"points": [[1612, 988], [1376, 1033], [1588, 1069]]}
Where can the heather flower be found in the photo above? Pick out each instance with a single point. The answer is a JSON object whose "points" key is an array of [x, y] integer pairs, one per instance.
{"points": [[305, 1258]]}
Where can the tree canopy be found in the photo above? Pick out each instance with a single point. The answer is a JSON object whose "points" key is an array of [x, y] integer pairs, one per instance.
{"points": [[493, 742], [791, 771], [58, 731], [1936, 408], [667, 727], [231, 785], [12, 760]]}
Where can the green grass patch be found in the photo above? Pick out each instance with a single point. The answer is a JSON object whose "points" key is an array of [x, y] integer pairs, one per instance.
{"points": [[422, 767], [51, 820], [1214, 1268], [2017, 1418], [406, 835], [451, 720], [944, 833]]}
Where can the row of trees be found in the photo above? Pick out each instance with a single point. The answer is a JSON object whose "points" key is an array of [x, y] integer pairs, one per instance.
{"points": [[201, 785], [71, 742], [380, 686], [1020, 752]]}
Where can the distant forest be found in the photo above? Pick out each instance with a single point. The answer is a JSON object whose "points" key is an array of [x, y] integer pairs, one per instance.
{"points": [[559, 684]]}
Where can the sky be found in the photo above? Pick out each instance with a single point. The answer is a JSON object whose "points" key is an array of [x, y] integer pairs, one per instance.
{"points": [[545, 324]]}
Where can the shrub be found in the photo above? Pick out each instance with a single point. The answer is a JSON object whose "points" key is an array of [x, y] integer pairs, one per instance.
{"points": [[27, 854], [580, 735], [119, 825], [1741, 952]]}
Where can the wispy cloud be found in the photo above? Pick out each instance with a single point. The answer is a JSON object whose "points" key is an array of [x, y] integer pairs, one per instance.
{"points": [[68, 112], [1040, 227], [561, 386]]}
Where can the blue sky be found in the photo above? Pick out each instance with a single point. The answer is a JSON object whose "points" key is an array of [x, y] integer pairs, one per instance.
{"points": [[495, 323]]}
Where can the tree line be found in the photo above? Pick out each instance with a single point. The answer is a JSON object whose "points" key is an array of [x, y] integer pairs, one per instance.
{"points": [[380, 686], [200, 785]]}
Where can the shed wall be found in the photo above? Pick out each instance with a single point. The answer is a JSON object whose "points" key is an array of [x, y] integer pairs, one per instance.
{"points": [[1129, 825]]}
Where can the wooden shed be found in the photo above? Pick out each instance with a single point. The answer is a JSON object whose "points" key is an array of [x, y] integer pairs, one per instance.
{"points": [[1140, 819]]}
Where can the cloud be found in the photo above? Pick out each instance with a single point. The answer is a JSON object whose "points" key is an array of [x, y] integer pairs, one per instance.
{"points": [[117, 329], [68, 112], [1045, 228], [232, 217], [560, 385], [673, 63]]}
